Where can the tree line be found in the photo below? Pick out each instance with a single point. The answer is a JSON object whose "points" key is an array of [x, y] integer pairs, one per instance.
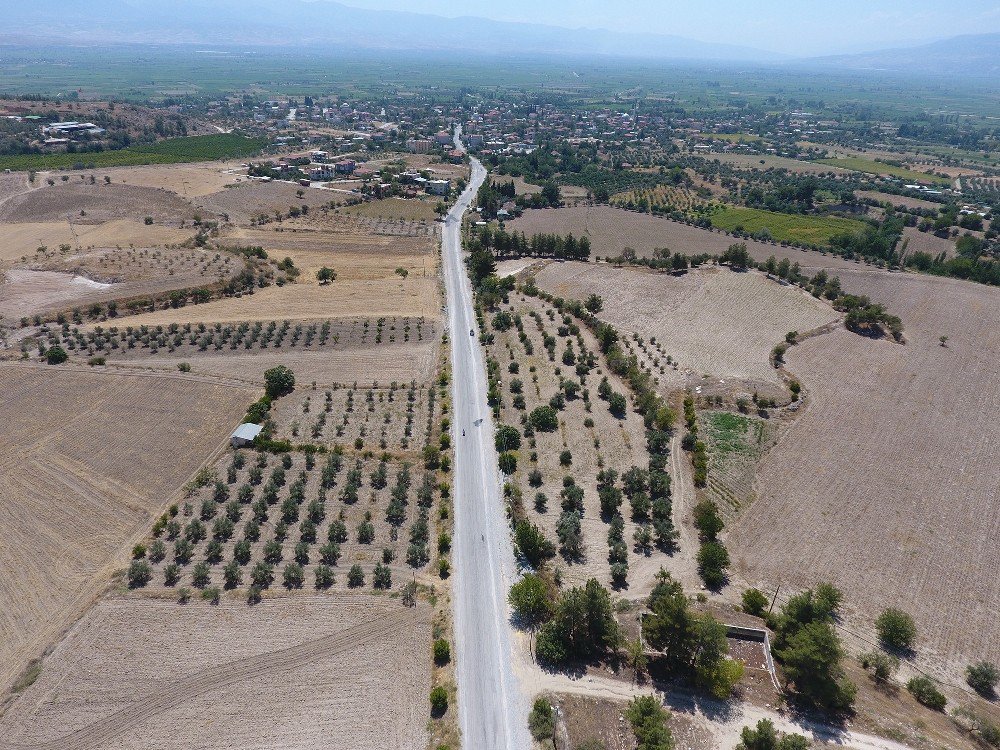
{"points": [[504, 244]]}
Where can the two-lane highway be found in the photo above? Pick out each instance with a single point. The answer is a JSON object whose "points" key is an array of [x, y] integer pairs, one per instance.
{"points": [[492, 709]]}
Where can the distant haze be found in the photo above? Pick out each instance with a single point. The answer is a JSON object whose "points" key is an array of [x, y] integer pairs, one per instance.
{"points": [[725, 30], [791, 27]]}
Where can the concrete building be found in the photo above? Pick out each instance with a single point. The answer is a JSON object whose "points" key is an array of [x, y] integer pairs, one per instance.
{"points": [[438, 187]]}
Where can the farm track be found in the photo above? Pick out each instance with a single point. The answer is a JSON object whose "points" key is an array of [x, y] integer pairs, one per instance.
{"points": [[176, 693]]}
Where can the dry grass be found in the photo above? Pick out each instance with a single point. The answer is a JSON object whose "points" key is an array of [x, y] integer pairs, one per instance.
{"points": [[410, 209], [89, 457], [712, 321], [768, 161], [246, 200], [897, 200], [414, 297], [388, 362], [24, 239], [886, 485], [356, 255], [348, 672], [611, 230]]}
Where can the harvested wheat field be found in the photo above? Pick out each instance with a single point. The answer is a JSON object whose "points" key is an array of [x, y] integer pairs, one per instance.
{"points": [[611, 230], [414, 297], [887, 485], [98, 203], [712, 321], [306, 672], [89, 456]]}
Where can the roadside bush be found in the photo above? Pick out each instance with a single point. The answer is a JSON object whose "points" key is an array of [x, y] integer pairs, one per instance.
{"points": [[926, 692], [754, 602], [765, 737], [532, 543], [530, 600], [896, 629], [439, 700], [542, 720], [507, 462], [442, 651]]}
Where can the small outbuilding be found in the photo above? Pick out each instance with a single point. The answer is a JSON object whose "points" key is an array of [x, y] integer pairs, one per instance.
{"points": [[244, 435]]}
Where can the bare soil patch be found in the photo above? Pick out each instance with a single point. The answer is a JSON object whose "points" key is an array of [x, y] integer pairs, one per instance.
{"points": [[306, 672], [886, 483], [712, 321], [246, 200], [926, 242], [56, 281], [186, 180], [99, 203], [86, 457]]}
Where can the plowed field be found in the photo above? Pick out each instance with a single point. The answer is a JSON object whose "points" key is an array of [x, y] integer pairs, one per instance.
{"points": [[87, 458]]}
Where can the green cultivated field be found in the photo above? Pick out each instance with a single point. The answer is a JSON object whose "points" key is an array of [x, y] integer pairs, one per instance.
{"points": [[815, 230], [871, 166], [170, 151]]}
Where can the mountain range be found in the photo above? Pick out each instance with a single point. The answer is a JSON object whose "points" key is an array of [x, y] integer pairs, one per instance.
{"points": [[335, 26]]}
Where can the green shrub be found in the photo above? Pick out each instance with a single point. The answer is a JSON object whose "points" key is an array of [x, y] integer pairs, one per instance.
{"points": [[896, 628], [926, 691], [754, 602], [542, 720], [983, 678], [442, 651], [439, 700]]}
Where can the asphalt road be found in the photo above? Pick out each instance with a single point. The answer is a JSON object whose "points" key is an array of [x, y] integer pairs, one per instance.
{"points": [[492, 709]]}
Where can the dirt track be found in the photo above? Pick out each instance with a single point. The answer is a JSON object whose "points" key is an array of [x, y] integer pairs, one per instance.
{"points": [[215, 678]]}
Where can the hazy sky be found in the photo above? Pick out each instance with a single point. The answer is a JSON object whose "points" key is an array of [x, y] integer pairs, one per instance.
{"points": [[797, 27]]}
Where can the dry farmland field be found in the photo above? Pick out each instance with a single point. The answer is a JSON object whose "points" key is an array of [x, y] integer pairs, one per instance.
{"points": [[89, 458], [544, 358], [764, 162], [332, 351], [887, 484], [611, 230], [87, 203], [712, 321], [313, 672], [54, 280]]}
